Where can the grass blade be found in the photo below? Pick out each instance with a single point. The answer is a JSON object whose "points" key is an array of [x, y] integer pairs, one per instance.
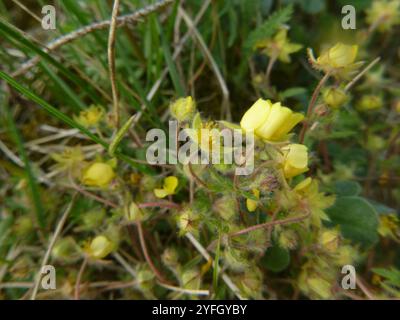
{"points": [[32, 182], [72, 123]]}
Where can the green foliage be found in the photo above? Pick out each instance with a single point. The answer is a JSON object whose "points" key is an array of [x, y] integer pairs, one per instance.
{"points": [[276, 259], [268, 28], [357, 219]]}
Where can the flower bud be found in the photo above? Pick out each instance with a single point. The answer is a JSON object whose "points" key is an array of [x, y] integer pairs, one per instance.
{"points": [[100, 247], [98, 174], [335, 97], [370, 102], [183, 109], [134, 213], [66, 249]]}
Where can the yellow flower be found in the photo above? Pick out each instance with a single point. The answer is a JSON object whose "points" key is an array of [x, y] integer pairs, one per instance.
{"points": [[384, 14], [252, 204], [338, 60], [100, 247], [99, 174], [338, 56], [370, 102], [279, 46], [335, 97], [170, 184], [183, 108], [90, 117], [270, 121], [295, 160]]}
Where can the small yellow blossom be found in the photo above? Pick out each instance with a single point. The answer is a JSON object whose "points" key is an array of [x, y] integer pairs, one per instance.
{"points": [[69, 158], [338, 56], [338, 60], [100, 247], [98, 174], [270, 121], [295, 160], [90, 117], [335, 97], [252, 204], [279, 47], [183, 108], [370, 102], [384, 14], [170, 184]]}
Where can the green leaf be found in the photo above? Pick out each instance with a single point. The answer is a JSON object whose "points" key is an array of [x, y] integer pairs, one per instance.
{"points": [[357, 218], [268, 28], [347, 188], [276, 259], [170, 63]]}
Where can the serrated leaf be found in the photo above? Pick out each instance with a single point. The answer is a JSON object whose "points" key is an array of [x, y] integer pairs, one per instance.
{"points": [[268, 28]]}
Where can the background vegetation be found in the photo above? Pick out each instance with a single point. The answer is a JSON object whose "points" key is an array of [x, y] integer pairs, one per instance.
{"points": [[58, 118]]}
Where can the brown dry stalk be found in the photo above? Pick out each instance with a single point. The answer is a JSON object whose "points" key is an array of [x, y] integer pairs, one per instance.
{"points": [[159, 276], [121, 21], [111, 62], [311, 105]]}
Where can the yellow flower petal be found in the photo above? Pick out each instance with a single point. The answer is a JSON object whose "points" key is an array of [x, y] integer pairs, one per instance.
{"points": [[256, 115], [99, 174], [170, 184], [296, 160], [302, 186], [100, 247], [293, 120], [252, 204], [160, 193], [277, 117]]}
